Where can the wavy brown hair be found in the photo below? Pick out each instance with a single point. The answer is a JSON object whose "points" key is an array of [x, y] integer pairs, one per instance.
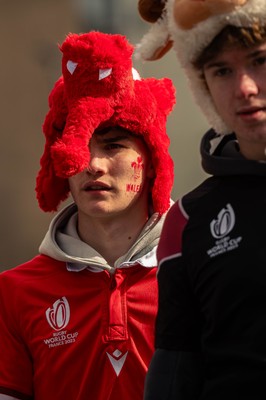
{"points": [[231, 36]]}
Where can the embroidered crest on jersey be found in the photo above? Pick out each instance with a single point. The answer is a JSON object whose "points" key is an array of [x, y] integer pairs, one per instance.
{"points": [[220, 228], [58, 315], [58, 318], [117, 360], [224, 222]]}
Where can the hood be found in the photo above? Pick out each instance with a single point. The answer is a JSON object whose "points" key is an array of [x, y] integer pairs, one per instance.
{"points": [[221, 157], [62, 243]]}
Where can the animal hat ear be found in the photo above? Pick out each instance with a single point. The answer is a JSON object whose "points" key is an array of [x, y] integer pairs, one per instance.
{"points": [[51, 189], [151, 10], [157, 41]]}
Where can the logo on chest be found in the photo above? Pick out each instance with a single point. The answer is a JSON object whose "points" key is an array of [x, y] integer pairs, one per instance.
{"points": [[58, 317], [220, 228]]}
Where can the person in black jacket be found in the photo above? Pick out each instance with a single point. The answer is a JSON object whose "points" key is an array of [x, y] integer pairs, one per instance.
{"points": [[211, 322]]}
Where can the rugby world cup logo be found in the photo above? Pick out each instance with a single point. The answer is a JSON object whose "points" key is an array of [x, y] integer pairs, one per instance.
{"points": [[224, 222], [58, 315]]}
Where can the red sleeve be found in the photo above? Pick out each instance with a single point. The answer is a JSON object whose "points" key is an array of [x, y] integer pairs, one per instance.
{"points": [[15, 363], [178, 321], [170, 243]]}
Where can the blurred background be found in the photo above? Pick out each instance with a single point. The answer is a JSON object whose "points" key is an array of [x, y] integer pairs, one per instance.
{"points": [[30, 32]]}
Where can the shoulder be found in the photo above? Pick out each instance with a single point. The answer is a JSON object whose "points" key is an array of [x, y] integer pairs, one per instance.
{"points": [[34, 269], [193, 199], [23, 287], [170, 240], [182, 209], [178, 217]]}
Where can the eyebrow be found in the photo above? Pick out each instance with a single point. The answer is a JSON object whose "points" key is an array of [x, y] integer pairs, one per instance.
{"points": [[219, 64], [112, 139], [214, 64]]}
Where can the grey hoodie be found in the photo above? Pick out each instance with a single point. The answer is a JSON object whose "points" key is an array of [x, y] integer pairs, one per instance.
{"points": [[62, 243]]}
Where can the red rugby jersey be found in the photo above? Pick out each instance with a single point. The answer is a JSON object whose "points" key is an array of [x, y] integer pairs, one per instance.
{"points": [[75, 335]]}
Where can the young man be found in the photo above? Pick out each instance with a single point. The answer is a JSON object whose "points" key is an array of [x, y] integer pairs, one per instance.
{"points": [[211, 325], [77, 321]]}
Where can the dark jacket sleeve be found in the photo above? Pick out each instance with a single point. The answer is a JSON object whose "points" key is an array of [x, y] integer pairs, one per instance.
{"points": [[174, 375]]}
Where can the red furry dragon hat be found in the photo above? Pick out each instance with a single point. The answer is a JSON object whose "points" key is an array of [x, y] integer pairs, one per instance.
{"points": [[98, 86]]}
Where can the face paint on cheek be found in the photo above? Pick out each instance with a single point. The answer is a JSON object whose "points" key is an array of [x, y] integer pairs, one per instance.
{"points": [[131, 187], [137, 166]]}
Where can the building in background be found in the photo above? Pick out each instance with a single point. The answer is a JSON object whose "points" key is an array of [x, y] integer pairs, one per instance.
{"points": [[30, 63]]}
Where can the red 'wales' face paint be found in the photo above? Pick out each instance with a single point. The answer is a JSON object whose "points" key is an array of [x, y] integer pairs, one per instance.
{"points": [[133, 188], [138, 166]]}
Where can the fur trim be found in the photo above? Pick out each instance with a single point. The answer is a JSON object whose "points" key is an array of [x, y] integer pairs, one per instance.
{"points": [[100, 87], [156, 38]]}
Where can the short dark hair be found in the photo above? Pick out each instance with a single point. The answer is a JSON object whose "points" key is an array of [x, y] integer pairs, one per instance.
{"points": [[231, 36], [105, 128]]}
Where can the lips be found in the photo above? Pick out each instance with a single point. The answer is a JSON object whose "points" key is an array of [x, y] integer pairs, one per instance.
{"points": [[93, 186], [248, 111]]}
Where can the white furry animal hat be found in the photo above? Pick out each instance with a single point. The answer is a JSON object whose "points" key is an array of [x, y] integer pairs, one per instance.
{"points": [[190, 26]]}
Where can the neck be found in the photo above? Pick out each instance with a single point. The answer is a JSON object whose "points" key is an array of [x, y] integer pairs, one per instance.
{"points": [[111, 238], [253, 151]]}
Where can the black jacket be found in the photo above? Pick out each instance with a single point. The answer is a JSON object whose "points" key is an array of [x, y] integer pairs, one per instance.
{"points": [[212, 283]]}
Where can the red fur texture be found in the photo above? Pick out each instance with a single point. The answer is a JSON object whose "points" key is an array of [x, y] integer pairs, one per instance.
{"points": [[80, 102]]}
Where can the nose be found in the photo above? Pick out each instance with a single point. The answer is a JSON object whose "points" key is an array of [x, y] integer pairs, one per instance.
{"points": [[246, 86], [96, 164]]}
